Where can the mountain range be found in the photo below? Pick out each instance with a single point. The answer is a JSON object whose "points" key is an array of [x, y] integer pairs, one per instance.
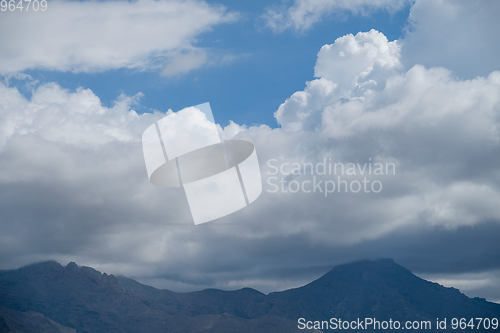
{"points": [[48, 297]]}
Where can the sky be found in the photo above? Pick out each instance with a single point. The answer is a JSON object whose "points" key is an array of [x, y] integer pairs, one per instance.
{"points": [[404, 93]]}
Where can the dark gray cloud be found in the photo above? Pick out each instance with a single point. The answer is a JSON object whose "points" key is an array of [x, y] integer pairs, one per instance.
{"points": [[291, 261]]}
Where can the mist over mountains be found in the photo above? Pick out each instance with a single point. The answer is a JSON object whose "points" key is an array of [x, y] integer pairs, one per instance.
{"points": [[47, 297]]}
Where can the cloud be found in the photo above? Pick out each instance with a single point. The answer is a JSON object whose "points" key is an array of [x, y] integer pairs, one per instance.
{"points": [[483, 284], [353, 59], [70, 168], [195, 58], [303, 14], [93, 36], [185, 62], [74, 187], [434, 127], [352, 66], [442, 133], [461, 36]]}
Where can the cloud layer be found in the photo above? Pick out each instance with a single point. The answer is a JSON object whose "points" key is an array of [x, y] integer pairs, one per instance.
{"points": [[74, 187]]}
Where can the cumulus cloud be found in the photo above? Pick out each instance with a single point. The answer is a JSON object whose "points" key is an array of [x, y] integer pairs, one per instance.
{"points": [[303, 14], [350, 67], [95, 36]]}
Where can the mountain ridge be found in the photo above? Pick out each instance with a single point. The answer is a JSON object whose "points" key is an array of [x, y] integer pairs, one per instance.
{"points": [[83, 299]]}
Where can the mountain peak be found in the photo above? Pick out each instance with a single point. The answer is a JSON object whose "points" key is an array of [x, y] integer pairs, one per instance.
{"points": [[43, 267], [377, 271], [71, 265]]}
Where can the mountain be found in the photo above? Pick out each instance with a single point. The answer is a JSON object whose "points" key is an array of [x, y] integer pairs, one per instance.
{"points": [[47, 297], [29, 322]]}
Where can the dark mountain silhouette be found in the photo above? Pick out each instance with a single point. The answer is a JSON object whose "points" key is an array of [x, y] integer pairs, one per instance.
{"points": [[47, 297], [29, 322]]}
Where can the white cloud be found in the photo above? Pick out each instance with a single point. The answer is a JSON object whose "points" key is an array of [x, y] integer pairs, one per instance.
{"points": [[93, 36], [352, 60], [56, 115], [303, 14], [184, 63], [353, 66], [194, 58]]}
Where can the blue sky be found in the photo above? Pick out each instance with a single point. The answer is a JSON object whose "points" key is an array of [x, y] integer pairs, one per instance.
{"points": [[414, 83]]}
